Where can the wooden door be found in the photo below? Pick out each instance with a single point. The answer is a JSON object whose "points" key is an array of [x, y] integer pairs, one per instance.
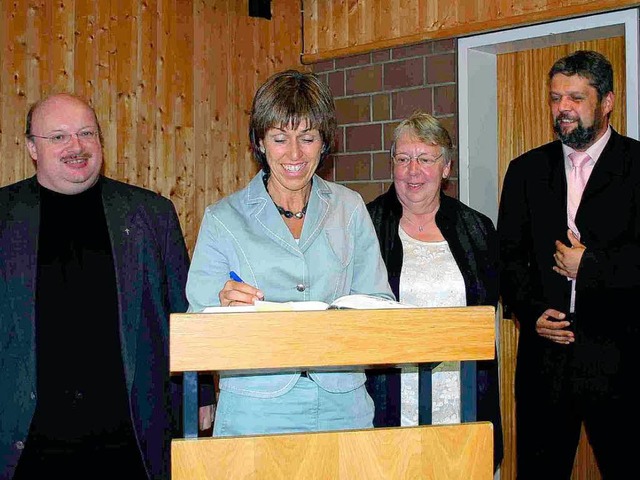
{"points": [[524, 122]]}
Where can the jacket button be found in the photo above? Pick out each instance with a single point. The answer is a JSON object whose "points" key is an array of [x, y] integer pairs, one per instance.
{"points": [[300, 287], [20, 445], [32, 395]]}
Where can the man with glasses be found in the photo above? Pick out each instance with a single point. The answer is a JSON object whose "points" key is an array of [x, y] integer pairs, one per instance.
{"points": [[90, 269]]}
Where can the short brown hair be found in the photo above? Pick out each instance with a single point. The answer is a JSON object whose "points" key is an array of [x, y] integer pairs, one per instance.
{"points": [[286, 99], [588, 64]]}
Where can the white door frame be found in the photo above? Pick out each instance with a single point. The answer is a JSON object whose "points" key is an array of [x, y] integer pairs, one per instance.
{"points": [[477, 92]]}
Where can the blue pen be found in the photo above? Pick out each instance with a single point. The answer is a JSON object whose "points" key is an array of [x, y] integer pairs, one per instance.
{"points": [[235, 277]]}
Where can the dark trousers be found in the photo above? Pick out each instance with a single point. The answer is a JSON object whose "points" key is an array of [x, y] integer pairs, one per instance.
{"points": [[548, 432], [76, 462]]}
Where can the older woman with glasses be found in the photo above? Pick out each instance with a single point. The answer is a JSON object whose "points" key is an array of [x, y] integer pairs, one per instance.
{"points": [[439, 253]]}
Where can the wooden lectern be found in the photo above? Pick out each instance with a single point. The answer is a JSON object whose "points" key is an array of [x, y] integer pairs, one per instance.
{"points": [[332, 338]]}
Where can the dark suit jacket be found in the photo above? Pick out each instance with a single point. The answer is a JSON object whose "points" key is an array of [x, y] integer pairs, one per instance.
{"points": [[532, 215], [151, 263], [474, 245]]}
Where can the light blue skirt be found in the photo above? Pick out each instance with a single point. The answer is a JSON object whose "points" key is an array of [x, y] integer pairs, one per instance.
{"points": [[305, 408]]}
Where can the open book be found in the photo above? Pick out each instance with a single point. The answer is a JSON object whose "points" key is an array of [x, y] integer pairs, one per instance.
{"points": [[355, 301]]}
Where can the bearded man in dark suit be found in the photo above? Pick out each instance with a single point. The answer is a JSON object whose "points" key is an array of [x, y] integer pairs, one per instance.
{"points": [[570, 272]]}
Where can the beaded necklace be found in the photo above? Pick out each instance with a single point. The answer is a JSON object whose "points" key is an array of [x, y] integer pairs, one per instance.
{"points": [[286, 213]]}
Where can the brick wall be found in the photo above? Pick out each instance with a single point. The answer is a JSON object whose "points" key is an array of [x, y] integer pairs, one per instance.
{"points": [[375, 91]]}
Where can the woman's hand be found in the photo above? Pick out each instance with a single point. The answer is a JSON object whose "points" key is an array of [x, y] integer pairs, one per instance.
{"points": [[239, 293]]}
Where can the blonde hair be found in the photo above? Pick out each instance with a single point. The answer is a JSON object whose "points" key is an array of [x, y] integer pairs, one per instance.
{"points": [[427, 129]]}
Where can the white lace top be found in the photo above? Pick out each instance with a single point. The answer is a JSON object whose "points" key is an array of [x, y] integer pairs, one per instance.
{"points": [[430, 277]]}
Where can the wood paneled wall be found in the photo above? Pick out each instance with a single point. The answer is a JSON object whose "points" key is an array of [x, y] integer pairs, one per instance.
{"points": [[171, 82], [336, 28]]}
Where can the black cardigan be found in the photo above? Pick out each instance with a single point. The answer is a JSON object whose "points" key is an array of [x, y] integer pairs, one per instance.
{"points": [[473, 242]]}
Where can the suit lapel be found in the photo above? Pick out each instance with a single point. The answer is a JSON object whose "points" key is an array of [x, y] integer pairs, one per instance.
{"points": [[19, 264], [317, 213], [557, 187], [266, 216], [609, 167], [126, 244]]}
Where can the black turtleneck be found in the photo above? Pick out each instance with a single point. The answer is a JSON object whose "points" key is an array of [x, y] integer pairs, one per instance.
{"points": [[82, 408]]}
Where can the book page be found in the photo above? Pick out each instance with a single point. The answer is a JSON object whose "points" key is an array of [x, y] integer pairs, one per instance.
{"points": [[237, 309], [265, 306], [360, 301], [356, 301]]}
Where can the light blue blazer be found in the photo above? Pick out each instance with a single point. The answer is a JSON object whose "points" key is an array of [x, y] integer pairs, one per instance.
{"points": [[337, 254]]}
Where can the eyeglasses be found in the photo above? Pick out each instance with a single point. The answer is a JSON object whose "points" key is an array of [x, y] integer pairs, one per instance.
{"points": [[89, 135], [423, 160]]}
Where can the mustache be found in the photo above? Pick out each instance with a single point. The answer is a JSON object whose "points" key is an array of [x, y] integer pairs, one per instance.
{"points": [[77, 156], [562, 116]]}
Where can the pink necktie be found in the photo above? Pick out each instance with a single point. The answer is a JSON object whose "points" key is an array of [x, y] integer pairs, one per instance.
{"points": [[577, 180]]}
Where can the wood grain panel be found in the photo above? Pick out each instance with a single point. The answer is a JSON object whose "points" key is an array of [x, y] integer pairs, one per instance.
{"points": [[145, 94], [59, 44], [171, 82], [238, 341], [336, 343], [524, 122], [105, 94], [14, 86], [360, 11], [126, 42], [455, 452], [377, 24]]}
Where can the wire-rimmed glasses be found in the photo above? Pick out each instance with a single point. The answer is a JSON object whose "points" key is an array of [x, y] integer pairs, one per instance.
{"points": [[62, 138], [423, 160]]}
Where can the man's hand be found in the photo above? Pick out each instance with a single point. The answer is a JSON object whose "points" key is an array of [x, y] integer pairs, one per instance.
{"points": [[568, 258], [551, 325]]}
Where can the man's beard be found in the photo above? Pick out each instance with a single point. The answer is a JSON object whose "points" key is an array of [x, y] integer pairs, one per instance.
{"points": [[580, 137]]}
